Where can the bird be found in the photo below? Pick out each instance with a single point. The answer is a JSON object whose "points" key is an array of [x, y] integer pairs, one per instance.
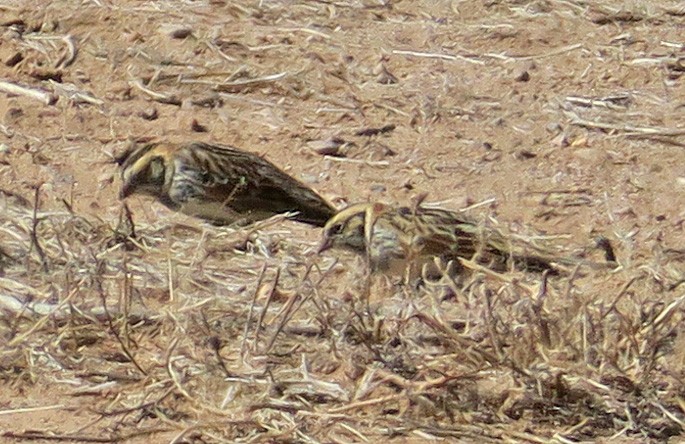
{"points": [[397, 239], [218, 183]]}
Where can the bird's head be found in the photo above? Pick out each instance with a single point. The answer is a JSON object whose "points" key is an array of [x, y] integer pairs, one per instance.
{"points": [[145, 170], [349, 228]]}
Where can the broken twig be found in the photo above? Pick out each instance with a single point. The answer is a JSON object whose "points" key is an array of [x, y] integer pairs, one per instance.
{"points": [[18, 90]]}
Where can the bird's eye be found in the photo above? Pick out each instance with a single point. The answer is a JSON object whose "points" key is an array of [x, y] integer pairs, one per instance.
{"points": [[337, 229]]}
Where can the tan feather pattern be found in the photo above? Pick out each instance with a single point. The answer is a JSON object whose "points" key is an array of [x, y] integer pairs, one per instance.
{"points": [[218, 183], [395, 238]]}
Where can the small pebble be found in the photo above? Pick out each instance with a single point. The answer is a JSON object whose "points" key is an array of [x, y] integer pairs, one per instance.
{"points": [[525, 154], [330, 147], [149, 114], [181, 33], [522, 76]]}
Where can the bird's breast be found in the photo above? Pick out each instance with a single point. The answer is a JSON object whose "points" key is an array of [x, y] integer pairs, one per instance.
{"points": [[213, 211], [385, 249]]}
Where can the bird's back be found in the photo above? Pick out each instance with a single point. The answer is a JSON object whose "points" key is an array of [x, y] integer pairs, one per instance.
{"points": [[250, 185], [449, 236]]}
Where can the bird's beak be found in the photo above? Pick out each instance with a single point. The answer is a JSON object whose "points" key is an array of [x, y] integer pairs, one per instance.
{"points": [[326, 243]]}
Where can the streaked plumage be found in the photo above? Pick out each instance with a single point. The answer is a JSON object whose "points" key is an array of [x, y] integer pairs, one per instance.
{"points": [[396, 238], [218, 183]]}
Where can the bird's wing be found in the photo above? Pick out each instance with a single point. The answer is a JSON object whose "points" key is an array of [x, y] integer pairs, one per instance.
{"points": [[248, 183], [438, 232]]}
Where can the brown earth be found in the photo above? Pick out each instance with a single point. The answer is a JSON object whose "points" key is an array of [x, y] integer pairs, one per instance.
{"points": [[557, 120]]}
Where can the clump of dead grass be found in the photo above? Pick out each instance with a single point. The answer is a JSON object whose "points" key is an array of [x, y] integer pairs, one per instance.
{"points": [[164, 334]]}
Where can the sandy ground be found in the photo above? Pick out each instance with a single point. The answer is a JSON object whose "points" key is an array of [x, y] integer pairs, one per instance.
{"points": [[558, 119]]}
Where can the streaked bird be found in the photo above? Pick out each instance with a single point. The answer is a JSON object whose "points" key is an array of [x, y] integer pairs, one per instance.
{"points": [[397, 238], [218, 183]]}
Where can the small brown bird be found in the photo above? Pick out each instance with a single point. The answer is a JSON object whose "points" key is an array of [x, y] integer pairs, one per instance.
{"points": [[396, 239], [219, 183]]}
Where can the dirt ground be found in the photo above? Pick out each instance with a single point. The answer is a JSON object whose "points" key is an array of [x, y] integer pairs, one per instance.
{"points": [[555, 120]]}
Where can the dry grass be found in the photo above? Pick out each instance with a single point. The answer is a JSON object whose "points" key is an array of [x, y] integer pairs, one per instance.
{"points": [[171, 330], [190, 333]]}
